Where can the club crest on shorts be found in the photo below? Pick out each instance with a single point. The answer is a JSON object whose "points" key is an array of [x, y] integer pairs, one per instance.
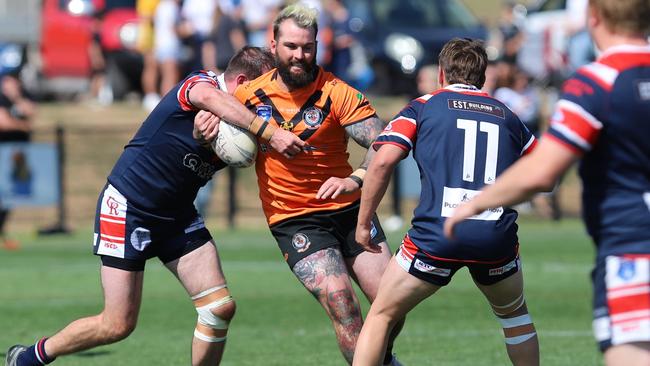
{"points": [[140, 238], [300, 242], [313, 117], [264, 111], [626, 269]]}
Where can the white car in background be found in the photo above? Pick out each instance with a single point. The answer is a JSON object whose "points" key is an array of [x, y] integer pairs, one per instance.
{"points": [[548, 27]]}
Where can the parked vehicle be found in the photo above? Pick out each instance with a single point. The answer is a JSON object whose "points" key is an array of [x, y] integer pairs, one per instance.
{"points": [[401, 36], [550, 27]]}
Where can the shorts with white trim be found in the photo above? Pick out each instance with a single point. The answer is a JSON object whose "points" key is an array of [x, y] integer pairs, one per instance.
{"points": [[125, 237], [621, 299], [439, 271]]}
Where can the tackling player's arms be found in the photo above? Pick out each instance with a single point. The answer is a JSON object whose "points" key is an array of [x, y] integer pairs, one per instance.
{"points": [[364, 133]]}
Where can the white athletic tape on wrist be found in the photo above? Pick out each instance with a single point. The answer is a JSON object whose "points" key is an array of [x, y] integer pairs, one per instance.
{"points": [[206, 338]]}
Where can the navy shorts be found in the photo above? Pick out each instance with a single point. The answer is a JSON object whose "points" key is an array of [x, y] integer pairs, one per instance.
{"points": [[126, 237], [299, 237], [439, 271]]}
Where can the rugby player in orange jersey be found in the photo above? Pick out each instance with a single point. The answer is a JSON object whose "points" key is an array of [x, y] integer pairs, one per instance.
{"points": [[311, 199]]}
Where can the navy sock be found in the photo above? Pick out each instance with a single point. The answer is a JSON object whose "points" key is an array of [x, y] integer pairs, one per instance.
{"points": [[35, 355]]}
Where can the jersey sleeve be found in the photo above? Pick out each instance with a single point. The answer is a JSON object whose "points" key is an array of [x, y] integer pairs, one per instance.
{"points": [[528, 140], [401, 131], [350, 105], [575, 121], [194, 78]]}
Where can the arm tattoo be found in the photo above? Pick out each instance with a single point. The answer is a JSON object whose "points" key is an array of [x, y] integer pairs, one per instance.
{"points": [[365, 133]]}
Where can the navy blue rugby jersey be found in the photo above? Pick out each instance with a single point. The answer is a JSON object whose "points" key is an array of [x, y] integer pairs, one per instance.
{"points": [[163, 166], [604, 113], [461, 140]]}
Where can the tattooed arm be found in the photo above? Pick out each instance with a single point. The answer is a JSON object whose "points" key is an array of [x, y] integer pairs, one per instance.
{"points": [[364, 133]]}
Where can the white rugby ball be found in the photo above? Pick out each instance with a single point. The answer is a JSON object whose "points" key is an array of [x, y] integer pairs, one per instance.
{"points": [[235, 146]]}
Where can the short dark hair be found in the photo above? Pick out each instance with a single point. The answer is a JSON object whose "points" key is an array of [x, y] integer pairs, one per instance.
{"points": [[250, 61], [464, 61]]}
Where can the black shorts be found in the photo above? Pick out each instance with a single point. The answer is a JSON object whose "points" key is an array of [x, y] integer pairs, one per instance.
{"points": [[299, 237], [126, 237]]}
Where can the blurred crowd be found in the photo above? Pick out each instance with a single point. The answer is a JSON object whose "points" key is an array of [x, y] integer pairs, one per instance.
{"points": [[178, 36]]}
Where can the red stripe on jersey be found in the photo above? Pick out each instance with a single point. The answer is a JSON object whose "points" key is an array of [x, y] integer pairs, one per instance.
{"points": [[402, 126], [565, 144], [595, 78], [626, 304], [377, 145], [625, 60], [423, 100], [112, 228], [636, 256], [580, 126], [184, 91], [408, 244]]}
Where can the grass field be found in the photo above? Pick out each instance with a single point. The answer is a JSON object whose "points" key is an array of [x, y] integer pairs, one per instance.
{"points": [[54, 280]]}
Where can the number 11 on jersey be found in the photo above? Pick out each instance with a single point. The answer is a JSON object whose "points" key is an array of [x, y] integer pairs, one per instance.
{"points": [[469, 148]]}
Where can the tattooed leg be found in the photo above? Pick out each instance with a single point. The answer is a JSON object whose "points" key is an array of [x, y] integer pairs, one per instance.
{"points": [[324, 274]]}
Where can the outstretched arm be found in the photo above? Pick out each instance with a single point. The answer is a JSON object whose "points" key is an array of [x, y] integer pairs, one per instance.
{"points": [[379, 173], [223, 105], [364, 133], [533, 173]]}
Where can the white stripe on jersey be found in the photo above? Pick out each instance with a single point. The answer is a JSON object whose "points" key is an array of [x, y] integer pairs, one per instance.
{"points": [[405, 119], [577, 109], [571, 135], [602, 72], [399, 135], [530, 142]]}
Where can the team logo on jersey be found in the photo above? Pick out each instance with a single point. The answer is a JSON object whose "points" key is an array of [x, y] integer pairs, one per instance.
{"points": [[198, 166], [300, 242], [313, 117], [140, 238], [287, 125], [626, 269], [264, 111]]}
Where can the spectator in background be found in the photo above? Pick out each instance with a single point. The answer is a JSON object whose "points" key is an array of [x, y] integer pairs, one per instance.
{"points": [[146, 10], [427, 79], [580, 46], [167, 46], [511, 35], [348, 59], [194, 28], [257, 15], [228, 34], [100, 91], [517, 94], [16, 114]]}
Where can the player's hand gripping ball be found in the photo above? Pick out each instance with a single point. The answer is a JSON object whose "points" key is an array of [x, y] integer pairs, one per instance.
{"points": [[235, 146]]}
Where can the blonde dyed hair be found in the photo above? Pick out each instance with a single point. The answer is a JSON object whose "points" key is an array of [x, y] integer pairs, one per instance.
{"points": [[625, 16], [304, 17]]}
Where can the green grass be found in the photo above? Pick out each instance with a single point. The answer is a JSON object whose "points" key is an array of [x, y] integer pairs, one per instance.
{"points": [[54, 280]]}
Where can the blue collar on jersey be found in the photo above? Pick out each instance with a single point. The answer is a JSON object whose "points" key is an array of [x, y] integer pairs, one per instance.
{"points": [[461, 87]]}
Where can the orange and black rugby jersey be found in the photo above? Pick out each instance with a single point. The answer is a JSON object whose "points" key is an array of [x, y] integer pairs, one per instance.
{"points": [[318, 114]]}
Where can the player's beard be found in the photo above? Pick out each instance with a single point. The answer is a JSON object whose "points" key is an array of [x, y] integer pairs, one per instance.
{"points": [[300, 79]]}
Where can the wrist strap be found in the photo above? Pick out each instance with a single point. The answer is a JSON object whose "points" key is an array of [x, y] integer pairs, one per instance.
{"points": [[261, 128], [358, 176]]}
